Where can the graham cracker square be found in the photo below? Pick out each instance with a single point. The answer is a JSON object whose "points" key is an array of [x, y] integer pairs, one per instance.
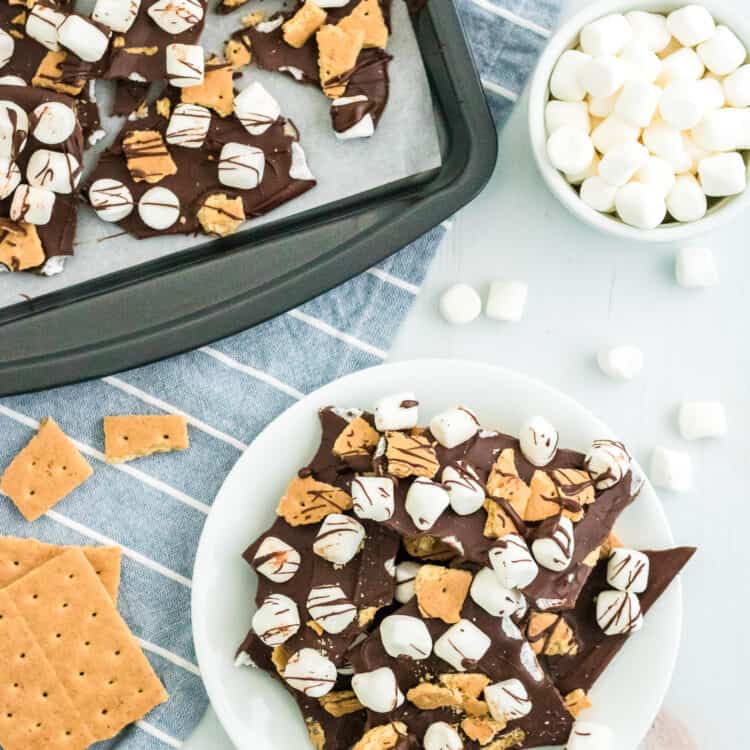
{"points": [[129, 437], [90, 648], [44, 472]]}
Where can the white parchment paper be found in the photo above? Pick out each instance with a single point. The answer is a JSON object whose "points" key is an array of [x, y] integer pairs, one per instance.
{"points": [[405, 143]]}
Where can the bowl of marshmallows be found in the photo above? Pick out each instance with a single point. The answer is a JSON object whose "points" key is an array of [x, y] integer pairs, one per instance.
{"points": [[639, 116]]}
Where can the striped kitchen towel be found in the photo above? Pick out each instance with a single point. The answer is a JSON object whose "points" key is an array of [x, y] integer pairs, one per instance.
{"points": [[155, 508]]}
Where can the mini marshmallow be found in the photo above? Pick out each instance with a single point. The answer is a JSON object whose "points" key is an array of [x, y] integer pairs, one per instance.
{"points": [[637, 103], [404, 635], [650, 28], [641, 63], [310, 672], [588, 736], [684, 64], [723, 174], [621, 362], [666, 142], [672, 470], [406, 574], [606, 36], [329, 606], [276, 560], [188, 126], [603, 76], [711, 92], [691, 25], [657, 172], [32, 204], [454, 426], [256, 109], [276, 620], [373, 497], [332, 3], [363, 128], [579, 177], [506, 300], [464, 489], [159, 208], [398, 411], [618, 613], [565, 83], [737, 87], [612, 132], [621, 162], [512, 562], [53, 170], [53, 122], [599, 194], [185, 65], [15, 81], [492, 596], [507, 700], [10, 177], [425, 502], [686, 201], [298, 169], [339, 538], [695, 268], [460, 304], [640, 205], [14, 129], [608, 462], [7, 45], [725, 129], [111, 199], [628, 570], [602, 106], [42, 25], [117, 15], [572, 114], [176, 16], [461, 645], [538, 440], [442, 736], [702, 419], [682, 105], [83, 38], [241, 166], [569, 149], [378, 690], [723, 53], [555, 544]]}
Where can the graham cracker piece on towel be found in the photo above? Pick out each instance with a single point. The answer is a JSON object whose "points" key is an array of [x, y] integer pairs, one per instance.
{"points": [[129, 437], [90, 648], [44, 472], [20, 556]]}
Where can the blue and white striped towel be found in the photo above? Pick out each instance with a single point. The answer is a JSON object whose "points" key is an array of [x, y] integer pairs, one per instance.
{"points": [[155, 508]]}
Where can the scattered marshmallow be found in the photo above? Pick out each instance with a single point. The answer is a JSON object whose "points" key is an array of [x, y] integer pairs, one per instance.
{"points": [[176, 16], [406, 574], [506, 300], [539, 441], [188, 126], [462, 643], [256, 109], [618, 612], [405, 636], [56, 171], [7, 45], [637, 103], [682, 64], [14, 129], [53, 122], [565, 81], [454, 426], [512, 562], [695, 268], [460, 304], [588, 736], [691, 25], [378, 690], [425, 502], [507, 700], [672, 470], [111, 199], [398, 411], [329, 607], [10, 177], [116, 14], [185, 65], [32, 204], [373, 497], [606, 36], [276, 620], [737, 87], [463, 487], [612, 132], [487, 591], [682, 105], [310, 672], [657, 172], [276, 560], [650, 28], [339, 538], [723, 53], [599, 194], [621, 362], [241, 166], [83, 38], [603, 76], [558, 114], [628, 570], [159, 208], [702, 419], [640, 205], [620, 163], [555, 544], [686, 201], [442, 736], [569, 149], [42, 24], [608, 462], [723, 174]]}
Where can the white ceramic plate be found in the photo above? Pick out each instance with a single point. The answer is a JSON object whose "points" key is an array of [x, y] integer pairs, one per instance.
{"points": [[253, 708]]}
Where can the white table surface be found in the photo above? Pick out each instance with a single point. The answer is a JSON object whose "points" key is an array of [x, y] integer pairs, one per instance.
{"points": [[585, 290]]}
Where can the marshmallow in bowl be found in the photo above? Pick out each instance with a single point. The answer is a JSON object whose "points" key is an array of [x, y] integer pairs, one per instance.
{"points": [[569, 149], [702, 419], [454, 426], [671, 469], [686, 201], [397, 411], [695, 268]]}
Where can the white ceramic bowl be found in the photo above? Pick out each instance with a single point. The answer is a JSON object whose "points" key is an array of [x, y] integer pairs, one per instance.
{"points": [[731, 14]]}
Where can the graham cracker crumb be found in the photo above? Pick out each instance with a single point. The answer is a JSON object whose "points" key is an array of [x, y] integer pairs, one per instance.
{"points": [[317, 734], [367, 17], [356, 439], [221, 214], [337, 55], [49, 75], [482, 729], [237, 53], [147, 156], [340, 703], [549, 634], [309, 501], [20, 246], [383, 737], [577, 702], [410, 455], [217, 90], [441, 592], [303, 24]]}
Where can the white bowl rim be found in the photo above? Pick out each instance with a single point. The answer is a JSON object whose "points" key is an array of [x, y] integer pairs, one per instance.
{"points": [[539, 94]]}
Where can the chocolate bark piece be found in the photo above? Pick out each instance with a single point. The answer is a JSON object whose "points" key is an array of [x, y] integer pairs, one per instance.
{"points": [[508, 656], [129, 96], [595, 650], [197, 175]]}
